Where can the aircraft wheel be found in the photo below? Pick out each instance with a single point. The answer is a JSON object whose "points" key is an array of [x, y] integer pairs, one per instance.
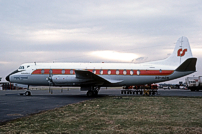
{"points": [[90, 94], [28, 93], [95, 93]]}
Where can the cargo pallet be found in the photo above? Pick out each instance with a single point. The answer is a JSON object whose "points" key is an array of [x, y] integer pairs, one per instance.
{"points": [[148, 89], [140, 91]]}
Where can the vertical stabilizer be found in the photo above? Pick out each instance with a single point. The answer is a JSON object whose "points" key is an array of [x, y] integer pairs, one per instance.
{"points": [[181, 53]]}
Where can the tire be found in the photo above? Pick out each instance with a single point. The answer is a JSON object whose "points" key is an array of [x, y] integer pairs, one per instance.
{"points": [[95, 93], [27, 93], [90, 93]]}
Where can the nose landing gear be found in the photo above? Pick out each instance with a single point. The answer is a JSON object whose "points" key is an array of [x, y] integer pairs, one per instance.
{"points": [[28, 93]]}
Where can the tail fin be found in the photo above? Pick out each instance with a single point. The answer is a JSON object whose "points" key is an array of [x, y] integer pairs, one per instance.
{"points": [[181, 52]]}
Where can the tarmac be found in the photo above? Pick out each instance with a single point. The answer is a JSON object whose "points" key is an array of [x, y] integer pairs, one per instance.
{"points": [[13, 105]]}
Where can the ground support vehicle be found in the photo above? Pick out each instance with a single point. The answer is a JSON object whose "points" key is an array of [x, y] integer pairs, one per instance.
{"points": [[194, 83]]}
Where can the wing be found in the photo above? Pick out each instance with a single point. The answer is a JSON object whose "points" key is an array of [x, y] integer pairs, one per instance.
{"points": [[83, 74]]}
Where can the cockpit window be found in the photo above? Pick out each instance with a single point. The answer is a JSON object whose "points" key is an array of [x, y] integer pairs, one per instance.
{"points": [[28, 66], [21, 67]]}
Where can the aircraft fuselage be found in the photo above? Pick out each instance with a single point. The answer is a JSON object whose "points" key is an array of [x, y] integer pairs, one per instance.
{"points": [[63, 74]]}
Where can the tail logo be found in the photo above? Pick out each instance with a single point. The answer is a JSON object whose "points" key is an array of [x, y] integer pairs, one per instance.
{"points": [[181, 53]]}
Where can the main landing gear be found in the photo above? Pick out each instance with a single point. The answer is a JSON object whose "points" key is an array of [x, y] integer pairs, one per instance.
{"points": [[93, 91]]}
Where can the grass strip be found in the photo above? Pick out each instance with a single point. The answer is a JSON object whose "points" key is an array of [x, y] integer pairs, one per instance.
{"points": [[116, 115]]}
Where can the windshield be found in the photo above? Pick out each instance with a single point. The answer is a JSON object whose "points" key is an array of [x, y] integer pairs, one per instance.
{"points": [[21, 67]]}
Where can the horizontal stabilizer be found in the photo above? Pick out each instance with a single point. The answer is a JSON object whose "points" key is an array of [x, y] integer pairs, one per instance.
{"points": [[188, 65]]}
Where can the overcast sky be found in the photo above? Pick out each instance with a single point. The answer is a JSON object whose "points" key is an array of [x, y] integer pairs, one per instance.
{"points": [[87, 31]]}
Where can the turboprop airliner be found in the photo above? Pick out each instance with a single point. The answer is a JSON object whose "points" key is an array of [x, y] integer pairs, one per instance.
{"points": [[91, 76]]}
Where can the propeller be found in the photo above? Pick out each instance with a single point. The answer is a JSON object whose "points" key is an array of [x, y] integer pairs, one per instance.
{"points": [[50, 80]]}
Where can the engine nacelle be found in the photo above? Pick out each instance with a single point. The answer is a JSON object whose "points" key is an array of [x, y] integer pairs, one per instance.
{"points": [[64, 78]]}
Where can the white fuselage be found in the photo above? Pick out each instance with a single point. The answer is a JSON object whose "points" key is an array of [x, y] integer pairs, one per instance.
{"points": [[63, 74]]}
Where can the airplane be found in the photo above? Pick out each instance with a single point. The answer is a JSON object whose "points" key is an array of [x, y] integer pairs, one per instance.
{"points": [[91, 76]]}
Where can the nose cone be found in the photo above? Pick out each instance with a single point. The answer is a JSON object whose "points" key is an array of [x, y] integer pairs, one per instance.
{"points": [[7, 78]]}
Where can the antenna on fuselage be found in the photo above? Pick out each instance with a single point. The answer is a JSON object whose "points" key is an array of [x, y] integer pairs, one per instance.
{"points": [[35, 63]]}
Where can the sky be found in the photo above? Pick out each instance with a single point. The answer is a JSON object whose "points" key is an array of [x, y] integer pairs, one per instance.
{"points": [[96, 31]]}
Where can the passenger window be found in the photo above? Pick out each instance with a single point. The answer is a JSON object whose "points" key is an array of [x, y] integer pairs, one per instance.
{"points": [[138, 72], [117, 71], [101, 72], [109, 72], [42, 71], [131, 72], [124, 72], [94, 71], [71, 71], [63, 71]]}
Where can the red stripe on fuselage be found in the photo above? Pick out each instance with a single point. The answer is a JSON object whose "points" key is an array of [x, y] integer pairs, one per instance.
{"points": [[155, 72], [104, 72], [54, 71]]}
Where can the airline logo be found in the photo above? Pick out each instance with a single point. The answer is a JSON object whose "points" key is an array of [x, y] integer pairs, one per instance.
{"points": [[181, 52]]}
